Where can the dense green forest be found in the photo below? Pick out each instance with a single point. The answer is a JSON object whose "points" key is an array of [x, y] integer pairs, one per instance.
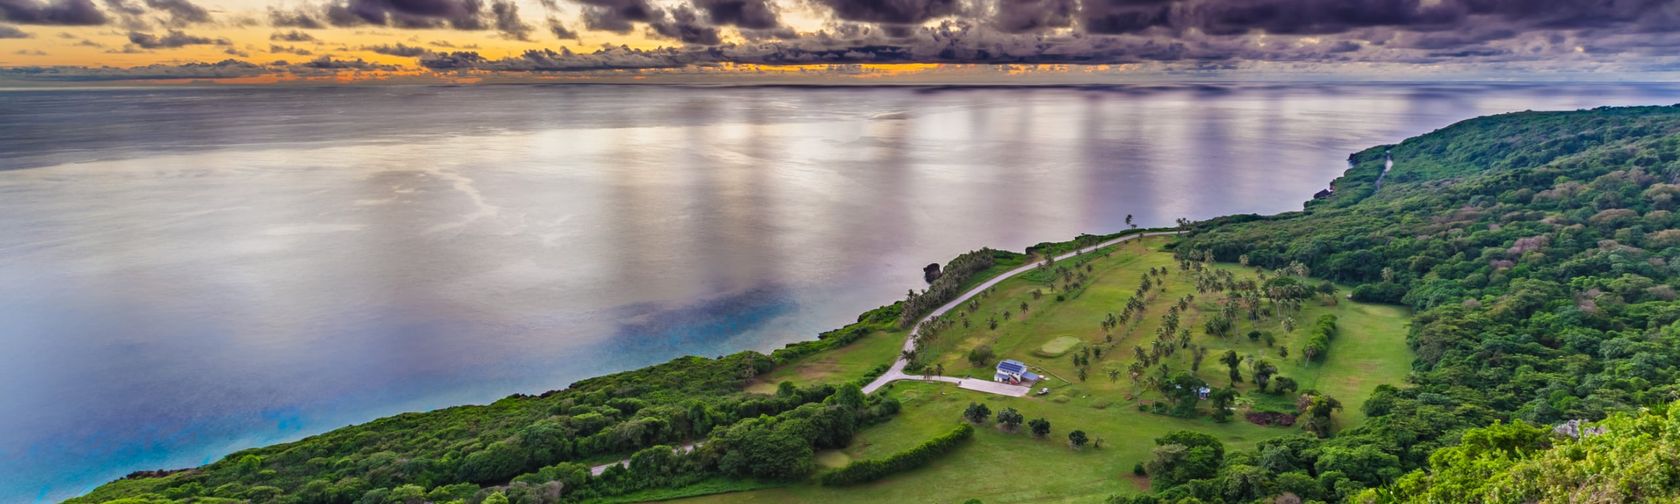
{"points": [[1538, 250]]}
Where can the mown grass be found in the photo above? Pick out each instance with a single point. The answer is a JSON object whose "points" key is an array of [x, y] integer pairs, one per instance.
{"points": [[1001, 467]]}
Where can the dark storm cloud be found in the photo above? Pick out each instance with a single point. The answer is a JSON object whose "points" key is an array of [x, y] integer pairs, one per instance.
{"points": [[12, 32], [1019, 16], [617, 16], [458, 14], [171, 39], [747, 14], [683, 24], [500, 15], [1124, 16], [51, 12], [890, 11]]}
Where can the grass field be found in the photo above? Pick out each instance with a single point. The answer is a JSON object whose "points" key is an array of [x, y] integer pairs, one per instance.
{"points": [[1057, 347], [840, 365], [1000, 467]]}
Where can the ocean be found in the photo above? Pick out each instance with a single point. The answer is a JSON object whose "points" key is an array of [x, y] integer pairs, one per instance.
{"points": [[186, 272]]}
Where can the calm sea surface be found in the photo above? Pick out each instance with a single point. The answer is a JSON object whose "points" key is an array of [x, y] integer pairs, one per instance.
{"points": [[184, 273]]}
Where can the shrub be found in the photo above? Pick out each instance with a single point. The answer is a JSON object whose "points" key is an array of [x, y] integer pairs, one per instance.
{"points": [[977, 413], [980, 355], [1040, 427], [1010, 419]]}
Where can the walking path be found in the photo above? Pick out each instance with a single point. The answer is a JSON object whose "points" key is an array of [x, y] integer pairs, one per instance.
{"points": [[1388, 164], [896, 372]]}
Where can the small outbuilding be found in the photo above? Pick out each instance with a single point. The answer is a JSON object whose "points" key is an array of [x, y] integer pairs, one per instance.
{"points": [[1013, 372]]}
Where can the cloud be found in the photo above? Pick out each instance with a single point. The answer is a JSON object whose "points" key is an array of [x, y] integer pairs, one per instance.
{"points": [[559, 30], [506, 14], [328, 63], [280, 49], [300, 18], [890, 11], [12, 32], [458, 14], [399, 49], [747, 14], [683, 24], [181, 12], [615, 16], [229, 68], [172, 39], [1018, 16], [51, 12], [293, 36]]}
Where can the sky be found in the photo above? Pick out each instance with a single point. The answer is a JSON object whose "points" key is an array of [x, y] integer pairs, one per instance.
{"points": [[276, 41]]}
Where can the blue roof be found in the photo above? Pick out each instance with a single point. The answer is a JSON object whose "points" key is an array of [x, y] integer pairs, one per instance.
{"points": [[1012, 366]]}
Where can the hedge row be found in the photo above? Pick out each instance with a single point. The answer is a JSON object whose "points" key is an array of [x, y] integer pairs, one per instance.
{"points": [[1318, 343], [865, 471]]}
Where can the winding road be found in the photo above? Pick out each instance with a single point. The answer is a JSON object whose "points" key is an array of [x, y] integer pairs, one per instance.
{"points": [[896, 372]]}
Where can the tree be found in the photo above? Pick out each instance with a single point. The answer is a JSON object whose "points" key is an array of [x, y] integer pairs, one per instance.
{"points": [[1040, 427], [1318, 408], [980, 356], [1285, 385], [1185, 391], [1077, 439], [1182, 456], [1010, 419], [1263, 372], [1232, 361], [977, 413], [496, 498], [1222, 400]]}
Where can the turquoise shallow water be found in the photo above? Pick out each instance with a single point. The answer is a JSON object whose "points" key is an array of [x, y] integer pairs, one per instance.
{"points": [[188, 272]]}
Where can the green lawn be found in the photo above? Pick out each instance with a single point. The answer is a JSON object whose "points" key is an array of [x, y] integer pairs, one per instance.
{"points": [[999, 467], [840, 365]]}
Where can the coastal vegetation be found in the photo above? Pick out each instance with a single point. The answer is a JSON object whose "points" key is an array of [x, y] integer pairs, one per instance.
{"points": [[1497, 321]]}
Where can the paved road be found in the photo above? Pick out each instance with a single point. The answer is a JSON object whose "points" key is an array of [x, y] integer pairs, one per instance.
{"points": [[896, 372]]}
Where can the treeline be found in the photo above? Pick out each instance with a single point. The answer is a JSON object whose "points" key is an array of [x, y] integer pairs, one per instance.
{"points": [[1536, 250], [948, 286], [864, 471], [530, 443]]}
